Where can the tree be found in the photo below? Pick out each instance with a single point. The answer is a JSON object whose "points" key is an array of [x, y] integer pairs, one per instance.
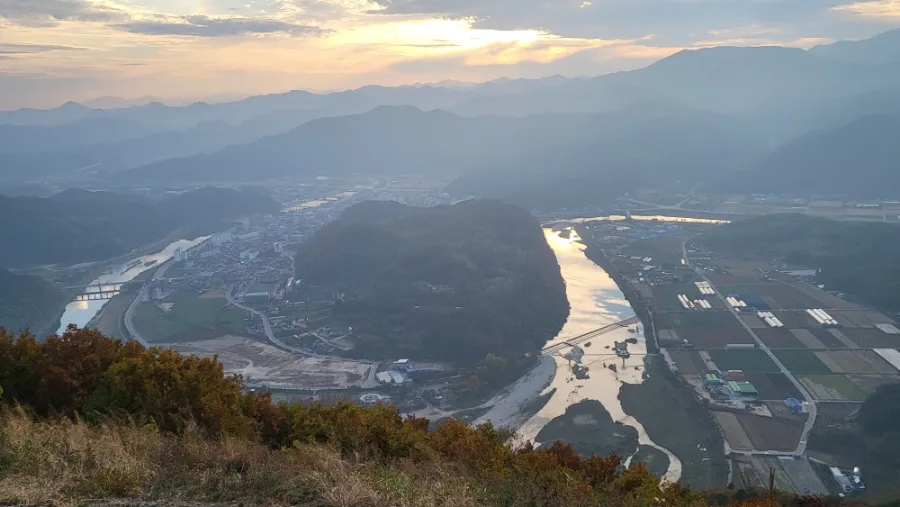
{"points": [[881, 411], [173, 391]]}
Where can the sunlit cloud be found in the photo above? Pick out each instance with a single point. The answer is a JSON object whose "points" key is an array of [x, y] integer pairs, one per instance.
{"points": [[876, 9], [205, 26], [25, 49], [57, 50], [51, 12]]}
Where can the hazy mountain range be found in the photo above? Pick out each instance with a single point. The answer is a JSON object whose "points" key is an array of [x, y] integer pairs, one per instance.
{"points": [[80, 226], [696, 115]]}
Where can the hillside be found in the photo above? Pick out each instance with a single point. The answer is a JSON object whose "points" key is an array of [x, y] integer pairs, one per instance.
{"points": [[854, 257], [859, 159], [453, 282], [495, 156], [28, 302], [80, 226], [106, 423], [395, 140], [657, 142]]}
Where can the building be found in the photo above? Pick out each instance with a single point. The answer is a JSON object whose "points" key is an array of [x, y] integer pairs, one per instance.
{"points": [[180, 255], [713, 379], [392, 377], [402, 365], [259, 293], [841, 479], [794, 404], [742, 389], [221, 238]]}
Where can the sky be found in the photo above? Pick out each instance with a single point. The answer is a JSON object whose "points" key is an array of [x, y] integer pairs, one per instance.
{"points": [[52, 51]]}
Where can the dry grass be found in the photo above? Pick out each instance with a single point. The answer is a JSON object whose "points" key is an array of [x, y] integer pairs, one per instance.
{"points": [[66, 463]]}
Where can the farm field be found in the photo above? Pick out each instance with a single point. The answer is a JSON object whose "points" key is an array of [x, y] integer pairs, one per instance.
{"points": [[778, 296], [769, 434], [832, 387], [801, 361], [705, 329], [872, 338], [869, 383], [778, 338], [822, 299], [191, 317], [835, 413], [665, 297], [808, 339], [795, 319], [773, 386], [828, 339], [733, 431], [855, 361], [863, 318], [687, 361], [750, 361], [753, 321]]}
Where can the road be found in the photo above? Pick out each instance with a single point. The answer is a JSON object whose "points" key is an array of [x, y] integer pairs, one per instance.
{"points": [[267, 326], [810, 402], [129, 313]]}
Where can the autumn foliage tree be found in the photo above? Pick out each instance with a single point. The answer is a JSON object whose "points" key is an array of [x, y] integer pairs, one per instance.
{"points": [[85, 374]]}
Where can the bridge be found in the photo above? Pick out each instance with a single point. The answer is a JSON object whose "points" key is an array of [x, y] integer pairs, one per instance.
{"points": [[95, 292], [578, 340]]}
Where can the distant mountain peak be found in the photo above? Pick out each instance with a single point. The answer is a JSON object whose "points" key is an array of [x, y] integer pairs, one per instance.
{"points": [[74, 106], [880, 49]]}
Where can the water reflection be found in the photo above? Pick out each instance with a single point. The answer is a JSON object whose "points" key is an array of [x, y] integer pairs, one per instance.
{"points": [[595, 301], [81, 312], [640, 218]]}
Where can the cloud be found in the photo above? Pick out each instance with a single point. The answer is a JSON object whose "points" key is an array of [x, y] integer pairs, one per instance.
{"points": [[50, 12], [23, 49], [682, 21], [205, 26], [880, 10]]}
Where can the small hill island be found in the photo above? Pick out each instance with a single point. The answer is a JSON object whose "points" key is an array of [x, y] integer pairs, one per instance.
{"points": [[452, 283]]}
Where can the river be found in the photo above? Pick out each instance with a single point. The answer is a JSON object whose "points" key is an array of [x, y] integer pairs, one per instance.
{"points": [[595, 301], [81, 312]]}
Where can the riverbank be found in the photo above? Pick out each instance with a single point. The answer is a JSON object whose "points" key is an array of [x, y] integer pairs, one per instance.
{"points": [[675, 420], [640, 306], [670, 414], [508, 408]]}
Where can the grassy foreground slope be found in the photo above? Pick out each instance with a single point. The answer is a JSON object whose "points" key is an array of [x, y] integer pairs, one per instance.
{"points": [[88, 420]]}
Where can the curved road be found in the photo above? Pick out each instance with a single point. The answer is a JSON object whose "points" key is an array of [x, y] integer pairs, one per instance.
{"points": [[275, 341], [810, 403], [266, 325]]}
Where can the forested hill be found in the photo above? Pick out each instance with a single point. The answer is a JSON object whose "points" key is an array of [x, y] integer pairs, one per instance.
{"points": [[854, 257], [28, 302], [858, 159], [450, 282], [79, 226]]}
